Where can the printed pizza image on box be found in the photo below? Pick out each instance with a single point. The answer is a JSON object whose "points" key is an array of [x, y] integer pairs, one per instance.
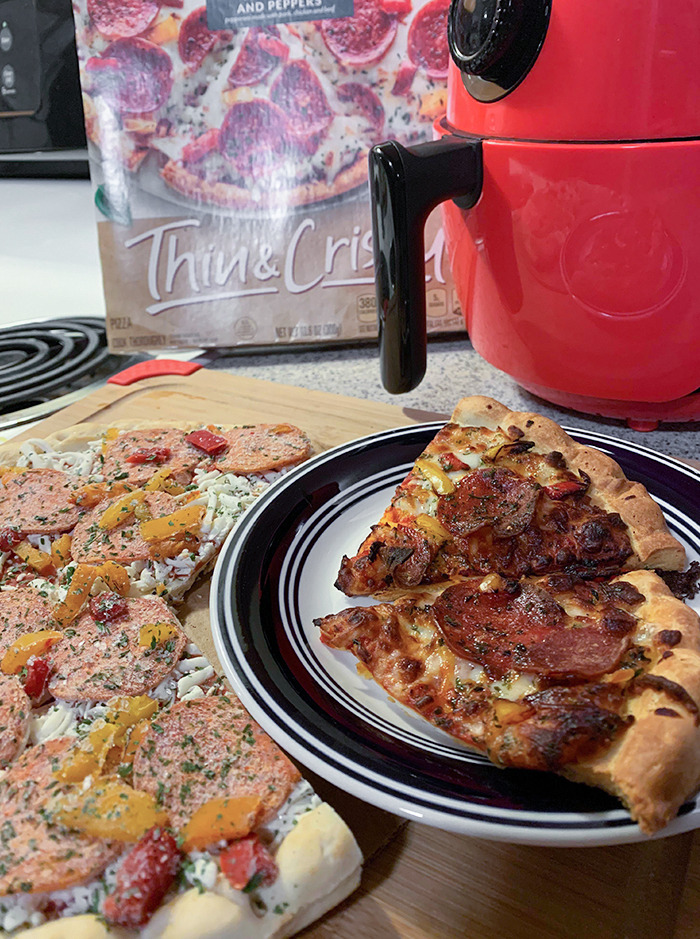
{"points": [[228, 150]]}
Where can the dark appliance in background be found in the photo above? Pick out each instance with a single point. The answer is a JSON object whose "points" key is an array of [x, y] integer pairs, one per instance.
{"points": [[41, 114], [568, 168]]}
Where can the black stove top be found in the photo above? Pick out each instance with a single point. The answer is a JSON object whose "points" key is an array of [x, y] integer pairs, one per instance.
{"points": [[44, 365]]}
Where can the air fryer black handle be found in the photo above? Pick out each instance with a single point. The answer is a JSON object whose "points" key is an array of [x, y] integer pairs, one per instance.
{"points": [[406, 183]]}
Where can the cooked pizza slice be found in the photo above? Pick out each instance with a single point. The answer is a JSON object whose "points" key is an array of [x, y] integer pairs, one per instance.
{"points": [[512, 493], [597, 681]]}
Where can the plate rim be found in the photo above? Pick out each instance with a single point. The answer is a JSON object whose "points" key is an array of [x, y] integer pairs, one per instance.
{"points": [[512, 831]]}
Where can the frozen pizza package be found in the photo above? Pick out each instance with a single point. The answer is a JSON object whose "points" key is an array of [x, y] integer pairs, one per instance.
{"points": [[228, 153]]}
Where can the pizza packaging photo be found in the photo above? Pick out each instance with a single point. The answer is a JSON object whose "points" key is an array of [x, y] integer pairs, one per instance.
{"points": [[228, 151]]}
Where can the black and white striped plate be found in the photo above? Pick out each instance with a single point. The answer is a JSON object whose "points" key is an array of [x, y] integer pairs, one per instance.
{"points": [[275, 575]]}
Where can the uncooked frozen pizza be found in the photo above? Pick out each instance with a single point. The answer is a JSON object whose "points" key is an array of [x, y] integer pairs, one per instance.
{"points": [[265, 116], [137, 796]]}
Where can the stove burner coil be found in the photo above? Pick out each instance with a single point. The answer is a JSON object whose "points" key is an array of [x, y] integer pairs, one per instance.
{"points": [[40, 361]]}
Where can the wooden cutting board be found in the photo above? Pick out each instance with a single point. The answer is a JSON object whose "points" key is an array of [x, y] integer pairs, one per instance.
{"points": [[220, 397], [419, 882]]}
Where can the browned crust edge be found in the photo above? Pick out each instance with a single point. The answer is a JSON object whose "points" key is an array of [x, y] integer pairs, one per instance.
{"points": [[228, 195], [652, 543], [655, 765]]}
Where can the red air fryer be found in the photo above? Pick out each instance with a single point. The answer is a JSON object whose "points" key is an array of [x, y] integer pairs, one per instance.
{"points": [[569, 168]]}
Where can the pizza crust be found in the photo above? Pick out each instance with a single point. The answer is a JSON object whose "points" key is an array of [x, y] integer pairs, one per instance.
{"points": [[86, 926], [652, 543], [319, 866], [231, 196], [655, 765]]}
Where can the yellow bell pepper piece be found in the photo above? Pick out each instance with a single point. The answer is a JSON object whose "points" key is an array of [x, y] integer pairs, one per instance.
{"points": [[182, 520], [433, 526], [26, 646], [89, 756], [511, 712], [437, 477], [155, 634], [121, 510], [78, 594], [221, 819], [136, 735], [115, 576], [108, 737], [158, 479], [89, 495], [40, 561], [60, 550], [165, 30], [109, 809], [127, 711]]}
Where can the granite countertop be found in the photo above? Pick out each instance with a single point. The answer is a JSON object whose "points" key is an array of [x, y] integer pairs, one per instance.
{"points": [[454, 370]]}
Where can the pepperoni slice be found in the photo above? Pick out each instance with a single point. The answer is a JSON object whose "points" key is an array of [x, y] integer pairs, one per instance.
{"points": [[91, 544], [427, 39], [98, 659], [211, 748], [363, 101], [133, 75], [118, 19], [262, 448], [583, 653], [22, 610], [524, 630], [35, 856], [495, 497], [38, 502], [261, 52], [196, 40], [253, 136], [15, 708], [118, 467], [298, 92], [362, 39]]}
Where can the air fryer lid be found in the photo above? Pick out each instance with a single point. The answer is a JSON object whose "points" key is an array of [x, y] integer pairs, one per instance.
{"points": [[569, 70]]}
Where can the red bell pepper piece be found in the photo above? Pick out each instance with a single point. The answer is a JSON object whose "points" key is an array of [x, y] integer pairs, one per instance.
{"points": [[248, 864], [144, 877], [208, 443]]}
